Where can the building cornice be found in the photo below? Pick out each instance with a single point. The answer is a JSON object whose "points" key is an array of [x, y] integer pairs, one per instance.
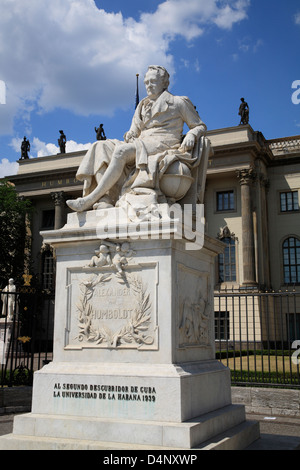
{"points": [[57, 157]]}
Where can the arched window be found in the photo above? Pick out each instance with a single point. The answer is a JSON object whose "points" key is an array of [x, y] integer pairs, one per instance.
{"points": [[227, 260], [291, 260]]}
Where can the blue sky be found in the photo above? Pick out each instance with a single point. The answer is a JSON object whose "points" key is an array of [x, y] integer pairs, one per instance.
{"points": [[72, 64]]}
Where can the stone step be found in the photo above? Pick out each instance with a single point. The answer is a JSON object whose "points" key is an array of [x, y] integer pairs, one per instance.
{"points": [[95, 431], [237, 438]]}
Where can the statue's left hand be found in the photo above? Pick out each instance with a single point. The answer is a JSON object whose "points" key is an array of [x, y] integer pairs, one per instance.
{"points": [[188, 143]]}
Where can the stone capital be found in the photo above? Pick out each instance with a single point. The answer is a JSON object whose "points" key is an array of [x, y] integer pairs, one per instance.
{"points": [[58, 197], [246, 176]]}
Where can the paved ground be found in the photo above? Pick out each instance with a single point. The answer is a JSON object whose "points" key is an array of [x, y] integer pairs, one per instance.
{"points": [[6, 424], [277, 433]]}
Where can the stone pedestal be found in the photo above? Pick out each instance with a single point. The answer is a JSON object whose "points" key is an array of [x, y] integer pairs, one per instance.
{"points": [[134, 359]]}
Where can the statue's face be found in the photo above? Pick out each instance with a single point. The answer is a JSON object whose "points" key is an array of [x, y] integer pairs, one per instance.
{"points": [[154, 84]]}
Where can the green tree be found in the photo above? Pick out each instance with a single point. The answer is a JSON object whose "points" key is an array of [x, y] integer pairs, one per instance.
{"points": [[15, 212]]}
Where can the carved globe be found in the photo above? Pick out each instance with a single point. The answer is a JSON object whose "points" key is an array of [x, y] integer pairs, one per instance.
{"points": [[176, 181]]}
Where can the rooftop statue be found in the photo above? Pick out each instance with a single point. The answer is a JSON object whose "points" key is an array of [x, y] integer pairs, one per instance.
{"points": [[100, 133], [244, 112], [62, 142], [152, 154], [25, 148]]}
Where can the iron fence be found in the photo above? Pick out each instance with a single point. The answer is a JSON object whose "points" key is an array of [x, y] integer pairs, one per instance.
{"points": [[258, 337], [26, 334]]}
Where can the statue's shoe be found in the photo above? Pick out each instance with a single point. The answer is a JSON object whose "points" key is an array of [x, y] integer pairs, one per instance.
{"points": [[102, 205], [79, 205]]}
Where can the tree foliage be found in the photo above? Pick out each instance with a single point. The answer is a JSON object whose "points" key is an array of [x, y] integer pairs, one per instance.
{"points": [[14, 239]]}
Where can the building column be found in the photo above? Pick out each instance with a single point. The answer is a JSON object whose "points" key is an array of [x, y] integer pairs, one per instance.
{"points": [[246, 177], [59, 201]]}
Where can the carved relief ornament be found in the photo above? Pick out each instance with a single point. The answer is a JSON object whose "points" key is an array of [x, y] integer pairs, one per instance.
{"points": [[112, 254], [194, 326]]}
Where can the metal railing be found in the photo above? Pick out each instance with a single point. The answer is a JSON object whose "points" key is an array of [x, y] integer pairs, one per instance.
{"points": [[257, 335], [26, 334]]}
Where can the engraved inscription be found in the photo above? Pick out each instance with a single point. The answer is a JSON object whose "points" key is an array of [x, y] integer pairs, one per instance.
{"points": [[104, 392]]}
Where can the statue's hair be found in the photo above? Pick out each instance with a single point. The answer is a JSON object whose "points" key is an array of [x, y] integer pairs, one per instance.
{"points": [[162, 72]]}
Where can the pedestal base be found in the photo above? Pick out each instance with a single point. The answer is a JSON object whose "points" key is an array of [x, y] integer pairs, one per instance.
{"points": [[152, 392], [224, 429], [132, 407]]}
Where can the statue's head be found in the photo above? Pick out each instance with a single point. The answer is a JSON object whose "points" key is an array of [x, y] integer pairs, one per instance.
{"points": [[156, 80]]}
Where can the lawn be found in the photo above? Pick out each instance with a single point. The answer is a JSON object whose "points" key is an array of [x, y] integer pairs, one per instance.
{"points": [[263, 368], [262, 363]]}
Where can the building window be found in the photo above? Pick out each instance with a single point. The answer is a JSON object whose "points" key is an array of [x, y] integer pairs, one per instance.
{"points": [[222, 325], [48, 270], [291, 260], [227, 262], [48, 219], [289, 201], [225, 201]]}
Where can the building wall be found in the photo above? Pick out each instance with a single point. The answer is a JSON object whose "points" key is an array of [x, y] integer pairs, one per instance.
{"points": [[215, 220], [281, 224]]}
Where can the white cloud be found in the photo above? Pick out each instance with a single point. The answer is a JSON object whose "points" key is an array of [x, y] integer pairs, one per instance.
{"points": [[228, 15], [73, 146], [2, 92], [16, 144], [38, 148], [187, 65], [72, 55], [43, 149], [189, 18], [8, 168], [247, 45], [297, 18], [259, 43]]}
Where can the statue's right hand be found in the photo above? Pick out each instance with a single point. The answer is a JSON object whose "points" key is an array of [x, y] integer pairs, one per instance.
{"points": [[129, 137]]}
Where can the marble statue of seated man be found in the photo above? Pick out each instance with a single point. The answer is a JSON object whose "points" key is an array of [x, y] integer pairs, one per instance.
{"points": [[154, 141]]}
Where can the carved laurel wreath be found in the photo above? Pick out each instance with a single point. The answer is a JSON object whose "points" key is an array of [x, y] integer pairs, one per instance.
{"points": [[135, 328]]}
